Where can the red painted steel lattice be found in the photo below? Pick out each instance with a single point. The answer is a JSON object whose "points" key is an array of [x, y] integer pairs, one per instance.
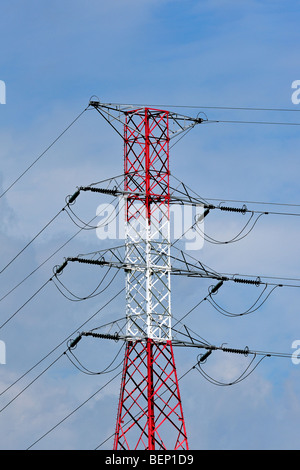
{"points": [[150, 412], [146, 138]]}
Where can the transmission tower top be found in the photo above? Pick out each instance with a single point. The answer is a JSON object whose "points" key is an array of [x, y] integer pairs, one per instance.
{"points": [[115, 114]]}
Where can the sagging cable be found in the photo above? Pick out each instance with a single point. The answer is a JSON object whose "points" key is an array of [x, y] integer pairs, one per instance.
{"points": [[239, 236], [253, 308], [247, 371]]}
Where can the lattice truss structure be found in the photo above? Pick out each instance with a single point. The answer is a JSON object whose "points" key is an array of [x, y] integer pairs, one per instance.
{"points": [[150, 414], [147, 234]]}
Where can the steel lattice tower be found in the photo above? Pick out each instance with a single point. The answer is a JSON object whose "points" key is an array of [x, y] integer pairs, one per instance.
{"points": [[150, 409], [150, 414]]}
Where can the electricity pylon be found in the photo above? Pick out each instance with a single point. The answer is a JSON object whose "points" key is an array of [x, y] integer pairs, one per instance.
{"points": [[150, 414]]}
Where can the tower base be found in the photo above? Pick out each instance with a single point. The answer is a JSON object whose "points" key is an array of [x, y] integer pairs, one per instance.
{"points": [[150, 413]]}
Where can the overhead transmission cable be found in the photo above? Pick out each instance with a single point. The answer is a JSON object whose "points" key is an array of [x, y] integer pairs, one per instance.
{"points": [[238, 237], [30, 383], [74, 410], [254, 307], [240, 378], [49, 257], [85, 226], [207, 121], [43, 153], [212, 292], [32, 240], [255, 202], [198, 367], [194, 198], [243, 376], [76, 363], [248, 108], [45, 283], [34, 295], [93, 294], [69, 201], [56, 347], [26, 302]]}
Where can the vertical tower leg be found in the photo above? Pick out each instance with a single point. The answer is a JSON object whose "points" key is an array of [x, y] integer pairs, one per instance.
{"points": [[150, 415]]}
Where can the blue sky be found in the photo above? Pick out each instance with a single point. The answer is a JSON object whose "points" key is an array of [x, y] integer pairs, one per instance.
{"points": [[195, 55]]}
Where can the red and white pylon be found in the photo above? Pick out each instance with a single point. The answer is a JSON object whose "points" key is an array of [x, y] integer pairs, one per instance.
{"points": [[150, 414]]}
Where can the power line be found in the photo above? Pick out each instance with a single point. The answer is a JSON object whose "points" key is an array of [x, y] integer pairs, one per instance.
{"points": [[28, 385], [253, 308], [49, 257], [212, 107], [42, 154], [63, 341], [49, 366], [87, 224], [240, 378], [243, 376], [86, 371], [210, 121], [74, 411], [93, 294], [25, 303], [70, 200], [194, 196], [254, 202], [32, 240], [253, 122], [34, 295]]}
